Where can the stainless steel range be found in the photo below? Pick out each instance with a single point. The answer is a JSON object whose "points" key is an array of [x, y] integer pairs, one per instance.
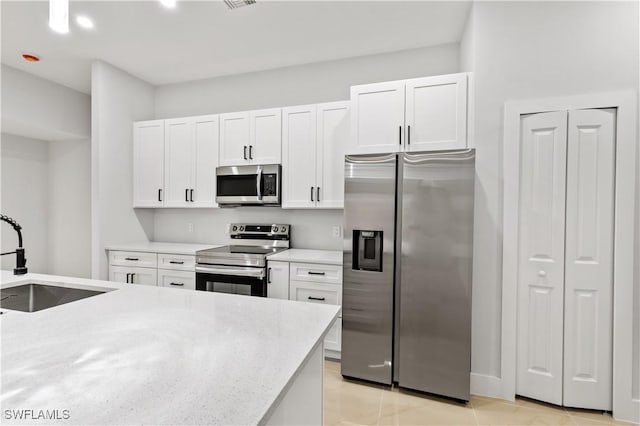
{"points": [[241, 267]]}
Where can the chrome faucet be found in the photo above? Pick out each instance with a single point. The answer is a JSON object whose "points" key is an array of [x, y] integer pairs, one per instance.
{"points": [[21, 261]]}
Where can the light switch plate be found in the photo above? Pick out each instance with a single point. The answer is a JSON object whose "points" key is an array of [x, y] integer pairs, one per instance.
{"points": [[190, 227], [337, 231]]}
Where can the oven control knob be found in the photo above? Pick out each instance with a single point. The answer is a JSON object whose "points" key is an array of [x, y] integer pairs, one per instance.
{"points": [[283, 229], [235, 228], [241, 228], [274, 229]]}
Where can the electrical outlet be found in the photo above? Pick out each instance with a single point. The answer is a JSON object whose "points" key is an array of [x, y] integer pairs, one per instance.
{"points": [[190, 227], [337, 232]]}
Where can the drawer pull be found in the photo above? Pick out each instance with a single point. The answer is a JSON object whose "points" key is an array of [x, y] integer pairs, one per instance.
{"points": [[316, 298], [132, 258], [178, 284], [176, 262], [315, 273]]}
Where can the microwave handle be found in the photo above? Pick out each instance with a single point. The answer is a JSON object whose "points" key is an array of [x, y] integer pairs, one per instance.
{"points": [[258, 182]]}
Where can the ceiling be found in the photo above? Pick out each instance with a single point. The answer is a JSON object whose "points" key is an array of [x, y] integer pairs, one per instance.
{"points": [[203, 39]]}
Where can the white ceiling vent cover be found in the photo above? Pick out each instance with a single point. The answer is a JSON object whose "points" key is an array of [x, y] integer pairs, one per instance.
{"points": [[234, 4]]}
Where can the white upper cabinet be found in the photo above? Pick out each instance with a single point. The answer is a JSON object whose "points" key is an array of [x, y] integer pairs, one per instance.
{"points": [[422, 114], [148, 163], [178, 161], [265, 136], [333, 131], [436, 113], [175, 162], [251, 137], [377, 118], [314, 138], [299, 157], [205, 161]]}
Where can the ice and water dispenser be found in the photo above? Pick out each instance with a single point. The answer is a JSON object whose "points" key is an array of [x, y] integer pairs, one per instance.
{"points": [[367, 250]]}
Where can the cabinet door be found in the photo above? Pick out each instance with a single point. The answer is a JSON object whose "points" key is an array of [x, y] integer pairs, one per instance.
{"points": [[144, 276], [234, 139], [177, 279], [148, 163], [377, 118], [278, 280], [178, 161], [333, 340], [205, 161], [332, 137], [298, 162], [265, 136], [436, 113]]}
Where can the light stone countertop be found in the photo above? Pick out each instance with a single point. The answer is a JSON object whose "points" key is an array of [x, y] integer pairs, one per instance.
{"points": [[154, 355], [329, 257], [160, 247]]}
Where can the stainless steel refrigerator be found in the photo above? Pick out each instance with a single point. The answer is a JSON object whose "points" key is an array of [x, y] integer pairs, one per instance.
{"points": [[408, 246]]}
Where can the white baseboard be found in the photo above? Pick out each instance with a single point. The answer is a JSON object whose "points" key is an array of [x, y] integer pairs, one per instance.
{"points": [[485, 385], [629, 413]]}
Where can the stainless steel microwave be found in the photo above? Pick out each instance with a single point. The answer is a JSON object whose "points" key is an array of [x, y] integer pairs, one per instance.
{"points": [[248, 185]]}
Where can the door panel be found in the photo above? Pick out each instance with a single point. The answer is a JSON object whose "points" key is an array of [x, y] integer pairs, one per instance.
{"points": [[234, 139], [178, 154], [205, 161], [266, 136], [589, 259], [436, 113], [333, 137], [541, 256], [377, 118], [298, 163], [148, 163]]}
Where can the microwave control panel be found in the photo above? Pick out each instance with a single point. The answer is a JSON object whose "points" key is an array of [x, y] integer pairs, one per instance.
{"points": [[270, 185]]}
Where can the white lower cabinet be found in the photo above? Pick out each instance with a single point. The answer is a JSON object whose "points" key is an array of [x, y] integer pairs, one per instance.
{"points": [[177, 279], [278, 280], [133, 275]]}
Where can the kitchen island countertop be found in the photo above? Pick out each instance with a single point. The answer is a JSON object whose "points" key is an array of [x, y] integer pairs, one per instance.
{"points": [[141, 354]]}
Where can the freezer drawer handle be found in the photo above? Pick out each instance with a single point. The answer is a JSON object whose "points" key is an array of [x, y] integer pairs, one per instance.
{"points": [[178, 284], [132, 258], [315, 273], [316, 298], [176, 262]]}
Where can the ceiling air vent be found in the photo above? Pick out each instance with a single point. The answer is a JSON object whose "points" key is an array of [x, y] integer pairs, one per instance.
{"points": [[234, 4]]}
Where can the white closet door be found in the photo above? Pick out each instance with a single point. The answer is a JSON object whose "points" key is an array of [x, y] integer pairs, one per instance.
{"points": [[589, 260], [178, 154], [541, 256]]}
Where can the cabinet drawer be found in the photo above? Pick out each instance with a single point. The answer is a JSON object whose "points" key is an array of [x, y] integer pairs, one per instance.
{"points": [[177, 279], [133, 258], [319, 273], [314, 292], [133, 275], [176, 262]]}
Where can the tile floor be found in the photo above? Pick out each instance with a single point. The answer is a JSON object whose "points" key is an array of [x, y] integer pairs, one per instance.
{"points": [[349, 403]]}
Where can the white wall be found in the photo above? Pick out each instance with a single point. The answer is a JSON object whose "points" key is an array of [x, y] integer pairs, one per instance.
{"points": [[38, 108], [528, 50], [304, 84], [25, 173], [117, 100], [69, 218], [312, 83], [309, 228]]}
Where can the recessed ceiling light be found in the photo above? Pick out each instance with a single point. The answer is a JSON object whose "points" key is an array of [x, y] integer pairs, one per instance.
{"points": [[59, 16], [168, 3], [84, 21]]}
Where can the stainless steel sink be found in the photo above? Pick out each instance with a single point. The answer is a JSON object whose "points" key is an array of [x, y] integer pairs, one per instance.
{"points": [[34, 297]]}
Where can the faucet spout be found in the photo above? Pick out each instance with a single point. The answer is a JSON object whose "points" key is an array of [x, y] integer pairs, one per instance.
{"points": [[21, 260]]}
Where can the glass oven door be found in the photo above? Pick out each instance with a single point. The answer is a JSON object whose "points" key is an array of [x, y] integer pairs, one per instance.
{"points": [[231, 279]]}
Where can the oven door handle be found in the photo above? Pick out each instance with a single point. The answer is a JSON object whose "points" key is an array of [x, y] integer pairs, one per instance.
{"points": [[226, 270], [258, 182]]}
